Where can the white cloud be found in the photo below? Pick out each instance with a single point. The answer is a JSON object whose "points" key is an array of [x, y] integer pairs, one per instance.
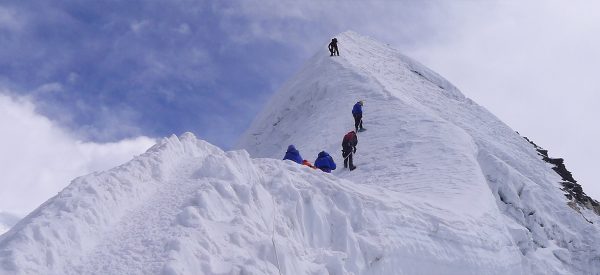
{"points": [[138, 26], [534, 65], [72, 77], [9, 19], [49, 88], [183, 29], [39, 158]]}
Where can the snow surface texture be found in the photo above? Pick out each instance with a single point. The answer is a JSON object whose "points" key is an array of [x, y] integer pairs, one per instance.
{"points": [[475, 197], [186, 207], [442, 187]]}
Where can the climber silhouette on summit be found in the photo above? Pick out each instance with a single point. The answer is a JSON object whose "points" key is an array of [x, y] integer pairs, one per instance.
{"points": [[333, 48]]}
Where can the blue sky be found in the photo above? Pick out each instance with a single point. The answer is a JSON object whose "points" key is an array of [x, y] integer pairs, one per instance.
{"points": [[108, 70], [116, 69], [104, 71]]}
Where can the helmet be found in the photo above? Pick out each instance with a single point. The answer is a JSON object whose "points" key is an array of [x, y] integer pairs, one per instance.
{"points": [[362, 102]]}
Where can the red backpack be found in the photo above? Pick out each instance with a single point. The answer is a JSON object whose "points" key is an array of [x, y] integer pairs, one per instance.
{"points": [[350, 139]]}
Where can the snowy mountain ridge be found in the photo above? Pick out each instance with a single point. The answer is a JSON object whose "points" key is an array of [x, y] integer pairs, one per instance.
{"points": [[442, 187], [574, 191], [428, 143]]}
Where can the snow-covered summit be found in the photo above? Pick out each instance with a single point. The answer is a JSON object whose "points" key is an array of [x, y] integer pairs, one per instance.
{"points": [[442, 187], [474, 186]]}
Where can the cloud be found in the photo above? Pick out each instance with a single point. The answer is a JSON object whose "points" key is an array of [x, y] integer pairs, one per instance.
{"points": [[108, 71], [183, 29], [39, 158], [137, 26], [9, 20], [533, 65], [49, 88]]}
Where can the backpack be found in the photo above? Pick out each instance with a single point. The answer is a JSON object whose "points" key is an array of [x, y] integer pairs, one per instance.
{"points": [[350, 140], [307, 163]]}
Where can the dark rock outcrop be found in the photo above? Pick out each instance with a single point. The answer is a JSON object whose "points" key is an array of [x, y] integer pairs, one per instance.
{"points": [[573, 191]]}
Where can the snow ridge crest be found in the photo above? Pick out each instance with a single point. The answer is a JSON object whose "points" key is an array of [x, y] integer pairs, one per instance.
{"points": [[91, 205], [429, 147]]}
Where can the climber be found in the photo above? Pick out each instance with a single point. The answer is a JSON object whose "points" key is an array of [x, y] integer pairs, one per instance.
{"points": [[333, 48], [293, 155], [357, 114], [307, 163], [325, 162], [349, 148]]}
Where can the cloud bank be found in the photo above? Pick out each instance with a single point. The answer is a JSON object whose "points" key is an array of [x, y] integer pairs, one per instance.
{"points": [[39, 158]]}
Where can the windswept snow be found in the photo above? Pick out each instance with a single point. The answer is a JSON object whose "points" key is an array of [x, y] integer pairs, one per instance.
{"points": [[429, 147], [442, 187], [186, 207]]}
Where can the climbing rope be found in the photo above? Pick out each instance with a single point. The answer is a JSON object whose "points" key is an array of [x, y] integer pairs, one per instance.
{"points": [[273, 235], [351, 153]]}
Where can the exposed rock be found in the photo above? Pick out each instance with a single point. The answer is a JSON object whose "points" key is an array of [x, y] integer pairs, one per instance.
{"points": [[573, 190]]}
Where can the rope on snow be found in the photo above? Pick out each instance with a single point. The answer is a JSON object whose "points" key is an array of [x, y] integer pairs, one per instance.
{"points": [[273, 235]]}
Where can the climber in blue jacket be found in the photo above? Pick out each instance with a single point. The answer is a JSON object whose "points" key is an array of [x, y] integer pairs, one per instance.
{"points": [[325, 162], [357, 114], [293, 154]]}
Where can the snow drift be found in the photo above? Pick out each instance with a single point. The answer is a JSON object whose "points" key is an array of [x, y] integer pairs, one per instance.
{"points": [[186, 207], [442, 187]]}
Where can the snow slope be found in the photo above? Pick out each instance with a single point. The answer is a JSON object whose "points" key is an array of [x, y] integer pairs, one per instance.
{"points": [[443, 187], [186, 207], [478, 190]]}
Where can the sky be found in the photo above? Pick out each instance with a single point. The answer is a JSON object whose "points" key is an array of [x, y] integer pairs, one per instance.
{"points": [[39, 158], [116, 75]]}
